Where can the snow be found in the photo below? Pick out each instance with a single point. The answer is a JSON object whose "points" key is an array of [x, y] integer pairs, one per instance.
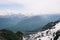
{"points": [[58, 38], [45, 36]]}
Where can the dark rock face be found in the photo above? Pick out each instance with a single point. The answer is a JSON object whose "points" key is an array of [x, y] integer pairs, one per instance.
{"points": [[2, 38], [50, 25], [57, 35]]}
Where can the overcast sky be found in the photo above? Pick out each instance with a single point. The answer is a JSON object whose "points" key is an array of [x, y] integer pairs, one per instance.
{"points": [[29, 7]]}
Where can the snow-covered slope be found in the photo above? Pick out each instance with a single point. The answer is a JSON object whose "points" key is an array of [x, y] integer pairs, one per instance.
{"points": [[49, 34]]}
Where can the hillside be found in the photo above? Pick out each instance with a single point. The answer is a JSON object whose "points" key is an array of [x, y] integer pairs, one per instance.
{"points": [[52, 32], [10, 35], [26, 23]]}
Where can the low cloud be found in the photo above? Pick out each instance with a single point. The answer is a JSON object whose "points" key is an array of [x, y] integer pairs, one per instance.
{"points": [[35, 7]]}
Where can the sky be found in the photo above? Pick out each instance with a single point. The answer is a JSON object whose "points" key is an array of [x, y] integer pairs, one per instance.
{"points": [[29, 7]]}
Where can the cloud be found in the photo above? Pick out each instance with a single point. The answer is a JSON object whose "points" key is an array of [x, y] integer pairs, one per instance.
{"points": [[36, 7], [25, 13]]}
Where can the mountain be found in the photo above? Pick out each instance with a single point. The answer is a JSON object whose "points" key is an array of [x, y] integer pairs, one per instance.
{"points": [[49, 25], [9, 21], [50, 33], [35, 22], [26, 23]]}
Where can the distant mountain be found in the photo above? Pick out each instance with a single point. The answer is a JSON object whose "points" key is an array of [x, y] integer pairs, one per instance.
{"points": [[25, 23], [35, 22], [9, 21]]}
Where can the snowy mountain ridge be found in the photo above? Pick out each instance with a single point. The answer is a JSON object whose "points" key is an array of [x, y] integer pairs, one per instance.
{"points": [[48, 34]]}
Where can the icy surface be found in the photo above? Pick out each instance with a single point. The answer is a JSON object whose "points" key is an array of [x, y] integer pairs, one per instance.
{"points": [[44, 35]]}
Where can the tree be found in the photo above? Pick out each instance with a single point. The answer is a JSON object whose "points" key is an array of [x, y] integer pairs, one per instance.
{"points": [[19, 35], [9, 35]]}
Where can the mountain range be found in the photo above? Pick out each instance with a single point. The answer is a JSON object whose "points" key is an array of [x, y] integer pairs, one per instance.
{"points": [[26, 23]]}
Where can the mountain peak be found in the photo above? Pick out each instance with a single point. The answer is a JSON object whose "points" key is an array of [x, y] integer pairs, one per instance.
{"points": [[48, 34]]}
